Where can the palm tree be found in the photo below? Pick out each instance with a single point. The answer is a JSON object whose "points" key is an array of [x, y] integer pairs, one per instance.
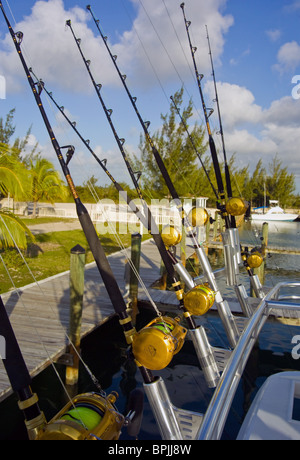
{"points": [[13, 231], [45, 182], [13, 174], [13, 181]]}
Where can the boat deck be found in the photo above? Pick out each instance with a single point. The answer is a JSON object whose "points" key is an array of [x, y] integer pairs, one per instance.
{"points": [[40, 313]]}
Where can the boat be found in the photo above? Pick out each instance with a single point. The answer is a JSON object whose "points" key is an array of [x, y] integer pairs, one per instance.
{"points": [[271, 417], [274, 214]]}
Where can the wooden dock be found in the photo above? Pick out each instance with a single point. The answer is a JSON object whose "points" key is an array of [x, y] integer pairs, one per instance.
{"points": [[40, 313]]}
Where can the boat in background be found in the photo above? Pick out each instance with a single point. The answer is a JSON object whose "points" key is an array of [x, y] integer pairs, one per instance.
{"points": [[274, 214]]}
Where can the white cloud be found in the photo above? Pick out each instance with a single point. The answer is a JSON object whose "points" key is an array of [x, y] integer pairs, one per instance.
{"points": [[288, 57], [253, 133], [238, 104], [273, 34], [161, 29], [51, 50]]}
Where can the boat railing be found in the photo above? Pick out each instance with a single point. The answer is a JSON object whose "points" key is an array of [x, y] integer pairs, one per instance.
{"points": [[217, 412]]}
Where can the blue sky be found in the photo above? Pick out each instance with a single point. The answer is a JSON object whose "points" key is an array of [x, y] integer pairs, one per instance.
{"points": [[256, 50]]}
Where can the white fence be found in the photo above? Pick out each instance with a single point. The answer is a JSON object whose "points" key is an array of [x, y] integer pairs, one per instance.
{"points": [[107, 214]]}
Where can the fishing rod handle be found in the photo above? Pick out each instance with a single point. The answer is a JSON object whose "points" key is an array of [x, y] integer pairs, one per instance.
{"points": [[18, 373]]}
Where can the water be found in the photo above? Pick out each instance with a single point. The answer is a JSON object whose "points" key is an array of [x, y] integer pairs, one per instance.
{"points": [[105, 353], [281, 235]]}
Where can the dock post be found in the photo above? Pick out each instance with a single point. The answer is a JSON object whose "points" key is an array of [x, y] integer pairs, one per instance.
{"points": [[77, 264], [183, 246], [136, 240], [260, 271]]}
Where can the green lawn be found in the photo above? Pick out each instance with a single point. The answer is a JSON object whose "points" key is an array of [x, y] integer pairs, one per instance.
{"points": [[45, 220], [48, 256]]}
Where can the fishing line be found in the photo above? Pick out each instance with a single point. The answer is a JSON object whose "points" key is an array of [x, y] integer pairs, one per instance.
{"points": [[223, 307], [194, 146], [128, 257], [149, 59], [168, 54], [184, 54], [180, 44], [160, 83], [32, 323], [97, 199], [151, 22], [165, 254], [16, 290], [51, 308]]}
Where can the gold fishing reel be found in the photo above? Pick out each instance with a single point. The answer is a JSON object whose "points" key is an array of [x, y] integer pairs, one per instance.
{"points": [[199, 300], [198, 216], [255, 259], [171, 235], [155, 345], [237, 206], [88, 416]]}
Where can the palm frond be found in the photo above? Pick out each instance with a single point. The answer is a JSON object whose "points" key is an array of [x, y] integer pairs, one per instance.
{"points": [[13, 232]]}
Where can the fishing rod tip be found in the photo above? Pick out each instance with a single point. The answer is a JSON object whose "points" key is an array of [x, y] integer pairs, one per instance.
{"points": [[68, 22], [182, 5], [88, 7]]}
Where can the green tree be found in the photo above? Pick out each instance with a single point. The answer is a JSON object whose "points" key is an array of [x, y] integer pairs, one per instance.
{"points": [[6, 128], [13, 182], [13, 174], [257, 183], [45, 182], [280, 184]]}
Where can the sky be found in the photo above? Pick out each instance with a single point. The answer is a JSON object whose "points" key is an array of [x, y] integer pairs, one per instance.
{"points": [[256, 53]]}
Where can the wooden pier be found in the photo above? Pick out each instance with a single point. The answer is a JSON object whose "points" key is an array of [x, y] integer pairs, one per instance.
{"points": [[39, 313]]}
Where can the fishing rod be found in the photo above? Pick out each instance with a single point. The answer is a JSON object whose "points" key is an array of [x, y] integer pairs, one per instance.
{"points": [[183, 121], [155, 344], [168, 258], [149, 223], [91, 416], [223, 307], [234, 206], [221, 203], [82, 213], [102, 163], [145, 125], [228, 245], [204, 295], [19, 377], [227, 173], [247, 258]]}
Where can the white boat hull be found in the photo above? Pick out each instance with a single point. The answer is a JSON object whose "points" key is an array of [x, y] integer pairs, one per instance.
{"points": [[275, 214], [275, 217]]}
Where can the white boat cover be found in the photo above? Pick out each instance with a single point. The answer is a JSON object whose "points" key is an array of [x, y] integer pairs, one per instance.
{"points": [[272, 414]]}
